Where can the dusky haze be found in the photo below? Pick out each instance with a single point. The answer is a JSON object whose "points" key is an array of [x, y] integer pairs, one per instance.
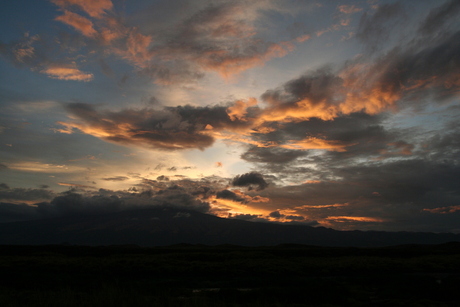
{"points": [[342, 114]]}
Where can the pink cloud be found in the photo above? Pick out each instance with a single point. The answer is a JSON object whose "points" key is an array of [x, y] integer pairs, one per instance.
{"points": [[80, 23], [94, 8]]}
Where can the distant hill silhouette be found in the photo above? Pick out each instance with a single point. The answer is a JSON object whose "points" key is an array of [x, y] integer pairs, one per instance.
{"points": [[168, 226]]}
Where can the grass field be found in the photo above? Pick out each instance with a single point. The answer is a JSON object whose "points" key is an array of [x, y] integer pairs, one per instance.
{"points": [[229, 276]]}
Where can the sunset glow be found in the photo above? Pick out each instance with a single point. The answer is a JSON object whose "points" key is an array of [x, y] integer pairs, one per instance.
{"points": [[341, 114]]}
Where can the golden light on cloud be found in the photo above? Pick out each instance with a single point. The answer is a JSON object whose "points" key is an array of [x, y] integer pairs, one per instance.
{"points": [[76, 185], [28, 166], [346, 218], [225, 206], [321, 206], [67, 73], [312, 181], [316, 143], [239, 109]]}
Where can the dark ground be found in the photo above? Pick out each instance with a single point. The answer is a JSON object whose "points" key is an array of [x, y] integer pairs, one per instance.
{"points": [[193, 275]]}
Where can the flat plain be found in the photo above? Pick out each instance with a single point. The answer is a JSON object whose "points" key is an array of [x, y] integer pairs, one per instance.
{"points": [[197, 275]]}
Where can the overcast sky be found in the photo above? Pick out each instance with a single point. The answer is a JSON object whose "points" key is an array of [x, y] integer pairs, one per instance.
{"points": [[341, 114]]}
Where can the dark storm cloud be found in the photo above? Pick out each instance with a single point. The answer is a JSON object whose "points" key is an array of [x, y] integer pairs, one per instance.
{"points": [[226, 194], [393, 194], [71, 203], [364, 133], [439, 16], [74, 204], [3, 166], [249, 180], [24, 195], [271, 155], [276, 214], [17, 212], [294, 217], [172, 128], [248, 217]]}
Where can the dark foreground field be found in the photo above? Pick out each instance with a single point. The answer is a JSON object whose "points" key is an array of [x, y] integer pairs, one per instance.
{"points": [[289, 275]]}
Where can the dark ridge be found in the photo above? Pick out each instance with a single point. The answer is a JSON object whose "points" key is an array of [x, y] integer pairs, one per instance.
{"points": [[169, 226]]}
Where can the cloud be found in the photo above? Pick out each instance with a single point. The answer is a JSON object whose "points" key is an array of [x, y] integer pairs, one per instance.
{"points": [[316, 143], [23, 51], [439, 16], [294, 217], [76, 185], [10, 212], [247, 217], [271, 155], [444, 210], [181, 194], [116, 178], [374, 29], [80, 23], [39, 167], [371, 87], [22, 195], [226, 194], [74, 204], [220, 38], [276, 214], [349, 9], [64, 72], [249, 180], [172, 128], [93, 8], [239, 109]]}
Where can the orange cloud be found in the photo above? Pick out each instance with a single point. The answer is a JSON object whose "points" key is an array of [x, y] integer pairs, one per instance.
{"points": [[227, 64], [75, 185], [222, 207], [67, 73], [94, 8], [239, 109], [321, 206], [80, 23], [316, 143], [137, 48], [312, 181], [344, 218], [303, 38], [444, 210]]}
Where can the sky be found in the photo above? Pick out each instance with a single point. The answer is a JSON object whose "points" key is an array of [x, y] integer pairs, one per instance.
{"points": [[340, 114]]}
